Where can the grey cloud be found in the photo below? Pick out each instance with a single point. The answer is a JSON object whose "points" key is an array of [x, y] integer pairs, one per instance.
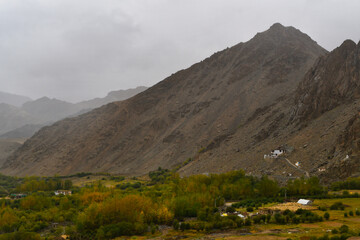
{"points": [[80, 49]]}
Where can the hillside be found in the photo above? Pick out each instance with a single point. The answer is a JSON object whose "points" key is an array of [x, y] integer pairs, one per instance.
{"points": [[113, 96], [222, 112], [7, 147], [318, 124]]}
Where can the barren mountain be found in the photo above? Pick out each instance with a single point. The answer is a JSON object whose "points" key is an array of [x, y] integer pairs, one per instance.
{"points": [[49, 110], [318, 125], [7, 148], [223, 112], [23, 132], [13, 99], [26, 120], [113, 96], [12, 117]]}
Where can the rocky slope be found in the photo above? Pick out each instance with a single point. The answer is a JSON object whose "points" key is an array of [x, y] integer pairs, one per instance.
{"points": [[223, 112], [111, 97], [318, 124]]}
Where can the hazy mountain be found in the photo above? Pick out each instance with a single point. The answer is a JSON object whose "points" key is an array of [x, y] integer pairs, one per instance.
{"points": [[22, 132], [224, 112], [12, 117], [13, 99], [111, 97], [48, 109], [7, 148], [25, 120]]}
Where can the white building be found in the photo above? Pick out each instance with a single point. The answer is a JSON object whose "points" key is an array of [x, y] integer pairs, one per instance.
{"points": [[62, 192], [304, 202]]}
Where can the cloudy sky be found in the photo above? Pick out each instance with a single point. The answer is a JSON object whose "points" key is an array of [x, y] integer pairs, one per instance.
{"points": [[80, 49]]}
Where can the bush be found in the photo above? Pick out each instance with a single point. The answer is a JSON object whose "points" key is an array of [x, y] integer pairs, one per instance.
{"points": [[176, 224], [351, 213], [326, 216], [324, 209], [247, 222], [344, 229], [249, 209], [337, 206], [230, 209]]}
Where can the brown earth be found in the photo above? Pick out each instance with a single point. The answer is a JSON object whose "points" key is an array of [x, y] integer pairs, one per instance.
{"points": [[225, 113], [292, 206]]}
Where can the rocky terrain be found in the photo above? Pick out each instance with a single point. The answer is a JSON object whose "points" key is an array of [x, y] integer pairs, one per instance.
{"points": [[223, 113]]}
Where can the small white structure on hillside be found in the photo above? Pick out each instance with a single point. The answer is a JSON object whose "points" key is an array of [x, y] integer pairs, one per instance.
{"points": [[297, 164], [274, 153], [304, 202], [277, 152]]}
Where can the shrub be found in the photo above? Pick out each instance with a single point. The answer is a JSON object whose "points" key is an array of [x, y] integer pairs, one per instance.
{"points": [[176, 224], [344, 229], [357, 212], [326, 216], [351, 213], [337, 206], [230, 209], [322, 208], [249, 209], [247, 222]]}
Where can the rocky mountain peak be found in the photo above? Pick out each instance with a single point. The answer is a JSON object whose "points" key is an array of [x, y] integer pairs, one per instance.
{"points": [[199, 107], [333, 80]]}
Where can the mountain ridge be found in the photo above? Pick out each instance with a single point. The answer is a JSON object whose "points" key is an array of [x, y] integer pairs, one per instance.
{"points": [[45, 110], [196, 109]]}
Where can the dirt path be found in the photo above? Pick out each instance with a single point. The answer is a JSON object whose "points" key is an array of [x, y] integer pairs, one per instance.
{"points": [[302, 170]]}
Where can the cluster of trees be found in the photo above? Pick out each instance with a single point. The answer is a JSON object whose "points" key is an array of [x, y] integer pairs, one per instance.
{"points": [[300, 216], [341, 233], [8, 184], [134, 207], [305, 187], [351, 183], [33, 184], [160, 175], [117, 216]]}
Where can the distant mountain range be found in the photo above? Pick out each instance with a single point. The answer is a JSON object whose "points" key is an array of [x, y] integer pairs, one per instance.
{"points": [[280, 90], [13, 99], [24, 120]]}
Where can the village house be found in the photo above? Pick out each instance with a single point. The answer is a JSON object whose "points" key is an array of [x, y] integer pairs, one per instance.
{"points": [[17, 195], [304, 202], [62, 192], [275, 153]]}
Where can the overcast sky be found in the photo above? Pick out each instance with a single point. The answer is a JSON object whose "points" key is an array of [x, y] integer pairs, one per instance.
{"points": [[81, 49]]}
